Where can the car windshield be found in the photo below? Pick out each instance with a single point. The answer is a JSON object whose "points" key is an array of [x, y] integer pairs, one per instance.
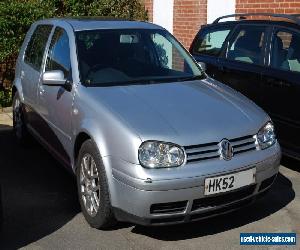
{"points": [[139, 56]]}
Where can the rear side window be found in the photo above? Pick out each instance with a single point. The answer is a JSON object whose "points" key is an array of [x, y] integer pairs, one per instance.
{"points": [[36, 46], [286, 51], [59, 52], [247, 45], [210, 42]]}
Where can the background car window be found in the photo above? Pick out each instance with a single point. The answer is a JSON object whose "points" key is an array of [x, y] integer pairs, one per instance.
{"points": [[211, 42], [59, 52], [168, 55], [36, 47], [247, 45], [286, 51]]}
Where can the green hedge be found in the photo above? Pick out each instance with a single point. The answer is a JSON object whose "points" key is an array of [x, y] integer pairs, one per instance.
{"points": [[5, 98]]}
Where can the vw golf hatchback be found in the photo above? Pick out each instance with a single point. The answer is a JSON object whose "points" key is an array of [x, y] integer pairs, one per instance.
{"points": [[151, 139]]}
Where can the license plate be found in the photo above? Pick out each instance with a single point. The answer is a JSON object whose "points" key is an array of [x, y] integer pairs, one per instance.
{"points": [[229, 182]]}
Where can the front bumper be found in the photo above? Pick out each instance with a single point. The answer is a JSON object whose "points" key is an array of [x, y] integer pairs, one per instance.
{"points": [[186, 201]]}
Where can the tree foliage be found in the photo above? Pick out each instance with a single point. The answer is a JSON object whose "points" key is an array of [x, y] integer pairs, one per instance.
{"points": [[16, 16]]}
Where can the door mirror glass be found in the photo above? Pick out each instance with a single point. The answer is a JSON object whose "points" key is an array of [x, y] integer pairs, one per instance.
{"points": [[202, 65], [54, 78]]}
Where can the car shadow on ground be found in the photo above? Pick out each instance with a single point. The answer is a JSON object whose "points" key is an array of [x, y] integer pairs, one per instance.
{"points": [[280, 195], [38, 195]]}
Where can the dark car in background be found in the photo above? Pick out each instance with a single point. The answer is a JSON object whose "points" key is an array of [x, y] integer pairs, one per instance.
{"points": [[261, 59]]}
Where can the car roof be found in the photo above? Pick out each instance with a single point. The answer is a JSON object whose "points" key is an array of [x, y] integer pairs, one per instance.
{"points": [[253, 21], [291, 17], [93, 23]]}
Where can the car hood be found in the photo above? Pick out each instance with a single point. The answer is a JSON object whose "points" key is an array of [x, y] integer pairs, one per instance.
{"points": [[186, 113]]}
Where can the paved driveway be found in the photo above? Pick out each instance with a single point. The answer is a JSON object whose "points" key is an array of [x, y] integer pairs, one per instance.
{"points": [[41, 210]]}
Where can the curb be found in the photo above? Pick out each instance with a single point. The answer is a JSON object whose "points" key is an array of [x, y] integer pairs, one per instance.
{"points": [[6, 110]]}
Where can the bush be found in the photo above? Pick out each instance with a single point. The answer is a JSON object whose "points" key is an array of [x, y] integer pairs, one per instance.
{"points": [[5, 98], [16, 16]]}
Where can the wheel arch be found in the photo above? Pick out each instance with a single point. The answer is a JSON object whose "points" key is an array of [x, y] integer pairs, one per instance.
{"points": [[80, 139], [17, 88]]}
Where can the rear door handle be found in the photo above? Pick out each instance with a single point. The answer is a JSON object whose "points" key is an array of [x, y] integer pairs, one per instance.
{"points": [[278, 83], [22, 74]]}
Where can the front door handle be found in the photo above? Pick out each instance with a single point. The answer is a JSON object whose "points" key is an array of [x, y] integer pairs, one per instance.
{"points": [[41, 90], [224, 69]]}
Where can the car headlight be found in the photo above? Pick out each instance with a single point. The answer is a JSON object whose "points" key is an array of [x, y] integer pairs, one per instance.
{"points": [[266, 136], [155, 154]]}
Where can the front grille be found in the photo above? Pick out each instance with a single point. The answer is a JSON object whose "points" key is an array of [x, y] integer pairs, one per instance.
{"points": [[223, 199], [266, 183], [168, 208], [243, 144], [212, 150]]}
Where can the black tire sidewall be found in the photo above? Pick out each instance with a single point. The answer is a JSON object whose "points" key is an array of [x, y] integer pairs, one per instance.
{"points": [[24, 138]]}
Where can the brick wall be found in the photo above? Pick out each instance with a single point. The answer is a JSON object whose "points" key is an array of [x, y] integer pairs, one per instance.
{"points": [[149, 7], [272, 6], [189, 15]]}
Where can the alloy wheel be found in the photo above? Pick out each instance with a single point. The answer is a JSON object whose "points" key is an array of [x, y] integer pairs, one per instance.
{"points": [[90, 185]]}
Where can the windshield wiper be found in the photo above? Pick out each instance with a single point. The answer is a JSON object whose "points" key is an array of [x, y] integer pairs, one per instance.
{"points": [[146, 81], [192, 78]]}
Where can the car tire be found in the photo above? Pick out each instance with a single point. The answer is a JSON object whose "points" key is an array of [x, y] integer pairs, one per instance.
{"points": [[19, 121], [92, 186]]}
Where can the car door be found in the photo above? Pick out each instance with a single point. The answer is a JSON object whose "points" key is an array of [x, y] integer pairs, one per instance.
{"points": [[56, 101], [208, 44], [31, 71], [241, 65], [281, 84]]}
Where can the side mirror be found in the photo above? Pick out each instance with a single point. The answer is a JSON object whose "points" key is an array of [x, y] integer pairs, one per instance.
{"points": [[56, 78], [202, 66]]}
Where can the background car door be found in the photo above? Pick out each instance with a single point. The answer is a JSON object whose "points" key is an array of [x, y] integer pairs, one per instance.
{"points": [[56, 101], [208, 45], [243, 61], [31, 71], [281, 82]]}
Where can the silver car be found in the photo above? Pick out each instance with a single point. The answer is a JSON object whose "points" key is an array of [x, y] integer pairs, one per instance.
{"points": [[151, 138]]}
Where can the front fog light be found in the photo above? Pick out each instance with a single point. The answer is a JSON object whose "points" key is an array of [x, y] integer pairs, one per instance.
{"points": [[154, 154], [266, 136]]}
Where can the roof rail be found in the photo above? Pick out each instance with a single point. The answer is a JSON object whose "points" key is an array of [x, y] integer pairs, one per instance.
{"points": [[292, 17]]}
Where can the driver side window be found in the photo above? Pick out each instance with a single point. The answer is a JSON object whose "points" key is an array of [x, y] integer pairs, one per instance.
{"points": [[59, 53]]}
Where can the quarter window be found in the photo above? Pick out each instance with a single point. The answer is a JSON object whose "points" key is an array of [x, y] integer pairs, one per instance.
{"points": [[59, 53], [36, 46], [286, 51], [211, 42], [247, 45]]}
